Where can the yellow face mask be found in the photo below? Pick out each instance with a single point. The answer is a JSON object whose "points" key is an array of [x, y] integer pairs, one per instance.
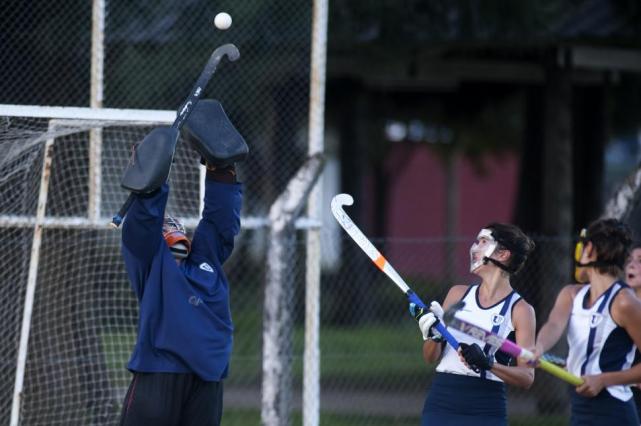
{"points": [[578, 252]]}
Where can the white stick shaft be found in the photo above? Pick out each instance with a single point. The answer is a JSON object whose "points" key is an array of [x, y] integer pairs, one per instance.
{"points": [[352, 230]]}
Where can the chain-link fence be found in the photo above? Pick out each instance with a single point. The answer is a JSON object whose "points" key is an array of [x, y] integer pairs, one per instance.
{"points": [[84, 313], [142, 54], [153, 51], [371, 365], [372, 372]]}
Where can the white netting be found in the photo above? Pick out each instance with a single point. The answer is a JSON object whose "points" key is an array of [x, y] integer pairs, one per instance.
{"points": [[84, 315]]}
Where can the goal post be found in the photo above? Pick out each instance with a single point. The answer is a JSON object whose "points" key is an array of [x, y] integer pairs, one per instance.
{"points": [[69, 314], [31, 282], [51, 181]]}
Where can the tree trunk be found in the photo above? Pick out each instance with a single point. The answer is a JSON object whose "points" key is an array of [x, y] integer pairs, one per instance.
{"points": [[557, 208]]}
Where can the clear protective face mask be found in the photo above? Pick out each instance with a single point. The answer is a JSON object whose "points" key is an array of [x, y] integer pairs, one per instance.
{"points": [[483, 247]]}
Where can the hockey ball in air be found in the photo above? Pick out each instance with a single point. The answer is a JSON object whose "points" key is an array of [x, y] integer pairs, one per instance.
{"points": [[222, 21]]}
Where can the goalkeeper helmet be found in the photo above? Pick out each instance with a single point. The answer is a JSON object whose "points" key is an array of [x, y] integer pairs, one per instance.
{"points": [[173, 231]]}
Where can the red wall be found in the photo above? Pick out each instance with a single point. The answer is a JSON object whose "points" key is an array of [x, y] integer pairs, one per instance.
{"points": [[416, 208]]}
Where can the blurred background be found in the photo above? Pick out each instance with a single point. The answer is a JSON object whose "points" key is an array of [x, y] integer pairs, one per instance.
{"points": [[440, 117]]}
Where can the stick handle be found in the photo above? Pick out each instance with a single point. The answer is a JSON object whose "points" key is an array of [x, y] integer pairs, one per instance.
{"points": [[555, 370], [509, 347], [560, 372], [440, 327], [118, 218]]}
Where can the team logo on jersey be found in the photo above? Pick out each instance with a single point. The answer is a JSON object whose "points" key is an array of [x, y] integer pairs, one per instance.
{"points": [[205, 267], [497, 319], [595, 319], [195, 300]]}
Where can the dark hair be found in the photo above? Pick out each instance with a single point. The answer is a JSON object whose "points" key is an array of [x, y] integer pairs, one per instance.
{"points": [[635, 245], [510, 237], [612, 240]]}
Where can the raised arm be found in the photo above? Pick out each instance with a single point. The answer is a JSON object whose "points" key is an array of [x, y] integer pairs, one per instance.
{"points": [[220, 223], [557, 321], [142, 234]]}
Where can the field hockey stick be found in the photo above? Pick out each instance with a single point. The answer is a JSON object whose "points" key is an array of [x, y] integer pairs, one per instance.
{"points": [[359, 238], [187, 107], [554, 359], [505, 345]]}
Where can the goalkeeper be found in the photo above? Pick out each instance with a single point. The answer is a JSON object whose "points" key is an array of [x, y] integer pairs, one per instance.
{"points": [[184, 338]]}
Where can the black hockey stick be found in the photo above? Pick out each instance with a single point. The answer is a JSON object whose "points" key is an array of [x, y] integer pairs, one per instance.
{"points": [[187, 107]]}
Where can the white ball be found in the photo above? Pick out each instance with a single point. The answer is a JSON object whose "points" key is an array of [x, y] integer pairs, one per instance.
{"points": [[222, 21]]}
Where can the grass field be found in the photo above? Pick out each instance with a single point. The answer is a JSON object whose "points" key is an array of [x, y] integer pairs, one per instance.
{"points": [[383, 351], [252, 417], [388, 361]]}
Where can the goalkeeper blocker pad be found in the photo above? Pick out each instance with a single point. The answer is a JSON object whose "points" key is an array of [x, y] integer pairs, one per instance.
{"points": [[151, 161], [209, 131]]}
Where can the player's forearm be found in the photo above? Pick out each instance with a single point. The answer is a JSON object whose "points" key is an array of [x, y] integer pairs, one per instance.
{"points": [[214, 235], [549, 334], [522, 377], [142, 228], [623, 377], [432, 351], [223, 201]]}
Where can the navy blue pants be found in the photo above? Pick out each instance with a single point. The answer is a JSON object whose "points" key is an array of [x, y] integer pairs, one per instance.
{"points": [[170, 399], [636, 394], [457, 400], [603, 410]]}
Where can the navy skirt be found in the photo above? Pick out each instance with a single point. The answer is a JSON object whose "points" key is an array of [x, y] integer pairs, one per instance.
{"points": [[456, 400], [603, 410]]}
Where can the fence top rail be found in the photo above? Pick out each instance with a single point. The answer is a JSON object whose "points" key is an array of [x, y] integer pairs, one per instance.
{"points": [[81, 113], [76, 222]]}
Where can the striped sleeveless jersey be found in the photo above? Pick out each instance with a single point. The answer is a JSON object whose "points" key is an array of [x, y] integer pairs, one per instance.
{"points": [[497, 318], [597, 344]]}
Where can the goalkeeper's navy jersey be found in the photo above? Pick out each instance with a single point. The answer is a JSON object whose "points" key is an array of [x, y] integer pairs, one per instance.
{"points": [[184, 321]]}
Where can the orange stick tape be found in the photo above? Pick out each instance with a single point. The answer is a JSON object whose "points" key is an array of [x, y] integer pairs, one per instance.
{"points": [[380, 262]]}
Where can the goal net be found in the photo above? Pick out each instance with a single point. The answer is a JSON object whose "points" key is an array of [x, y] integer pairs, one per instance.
{"points": [[68, 314]]}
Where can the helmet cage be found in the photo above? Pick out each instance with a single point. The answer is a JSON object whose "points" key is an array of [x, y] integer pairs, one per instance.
{"points": [[173, 231]]}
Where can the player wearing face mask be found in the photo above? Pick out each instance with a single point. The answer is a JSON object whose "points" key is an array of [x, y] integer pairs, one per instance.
{"points": [[469, 386], [602, 316]]}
